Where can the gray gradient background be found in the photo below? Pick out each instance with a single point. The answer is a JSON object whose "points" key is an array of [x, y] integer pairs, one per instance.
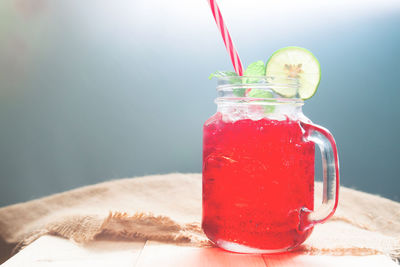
{"points": [[92, 91]]}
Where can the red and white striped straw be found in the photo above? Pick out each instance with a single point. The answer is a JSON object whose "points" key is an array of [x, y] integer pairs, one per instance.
{"points": [[237, 64]]}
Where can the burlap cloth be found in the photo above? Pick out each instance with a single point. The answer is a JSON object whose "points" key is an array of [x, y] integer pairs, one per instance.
{"points": [[168, 208]]}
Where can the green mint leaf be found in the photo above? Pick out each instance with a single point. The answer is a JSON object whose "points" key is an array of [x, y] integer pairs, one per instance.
{"points": [[255, 69], [235, 79], [260, 93], [239, 92], [269, 109], [222, 74]]}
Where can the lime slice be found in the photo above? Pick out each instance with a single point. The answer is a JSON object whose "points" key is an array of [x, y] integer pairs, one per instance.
{"points": [[295, 62]]}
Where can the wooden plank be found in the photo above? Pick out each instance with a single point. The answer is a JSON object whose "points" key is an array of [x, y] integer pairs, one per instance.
{"points": [[158, 254], [56, 251], [299, 260]]}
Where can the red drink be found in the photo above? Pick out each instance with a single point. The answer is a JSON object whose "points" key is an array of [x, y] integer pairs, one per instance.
{"points": [[257, 176]]}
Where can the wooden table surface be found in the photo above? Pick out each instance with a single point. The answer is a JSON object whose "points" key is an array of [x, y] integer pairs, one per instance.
{"points": [[55, 251]]}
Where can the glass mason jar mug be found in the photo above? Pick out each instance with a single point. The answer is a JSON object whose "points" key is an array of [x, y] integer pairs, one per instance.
{"points": [[258, 168]]}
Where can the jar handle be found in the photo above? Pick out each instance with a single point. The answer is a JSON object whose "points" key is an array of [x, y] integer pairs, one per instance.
{"points": [[330, 163]]}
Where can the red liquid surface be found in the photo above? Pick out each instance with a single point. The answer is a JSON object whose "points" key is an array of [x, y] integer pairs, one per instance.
{"points": [[257, 176]]}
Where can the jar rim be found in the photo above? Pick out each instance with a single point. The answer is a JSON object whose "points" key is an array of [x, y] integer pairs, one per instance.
{"points": [[258, 101], [276, 79], [226, 86]]}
